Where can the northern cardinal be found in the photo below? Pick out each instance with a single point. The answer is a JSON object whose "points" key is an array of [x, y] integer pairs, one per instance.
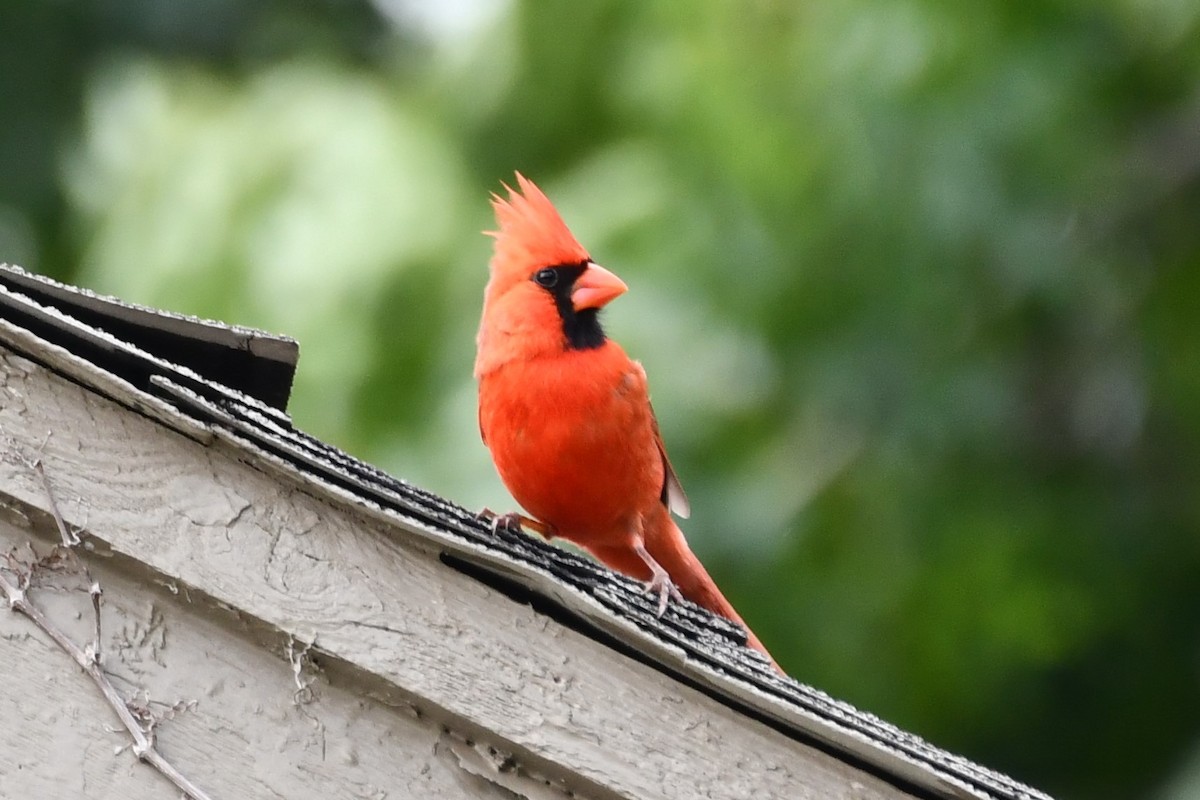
{"points": [[566, 413]]}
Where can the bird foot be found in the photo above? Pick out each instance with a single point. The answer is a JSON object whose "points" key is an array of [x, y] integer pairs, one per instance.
{"points": [[509, 522], [661, 584], [513, 522]]}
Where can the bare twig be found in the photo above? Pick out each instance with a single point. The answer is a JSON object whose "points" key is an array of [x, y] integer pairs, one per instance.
{"points": [[16, 591], [69, 537], [143, 742], [298, 657], [96, 593]]}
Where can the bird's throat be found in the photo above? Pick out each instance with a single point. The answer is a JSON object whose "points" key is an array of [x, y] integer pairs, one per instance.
{"points": [[581, 328]]}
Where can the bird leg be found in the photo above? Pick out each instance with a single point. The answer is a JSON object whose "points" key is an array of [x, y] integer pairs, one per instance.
{"points": [[514, 521], [660, 582]]}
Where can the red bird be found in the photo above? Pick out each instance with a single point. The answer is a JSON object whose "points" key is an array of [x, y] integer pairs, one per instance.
{"points": [[566, 413]]}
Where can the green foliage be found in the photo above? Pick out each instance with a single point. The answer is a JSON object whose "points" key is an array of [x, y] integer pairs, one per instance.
{"points": [[915, 284]]}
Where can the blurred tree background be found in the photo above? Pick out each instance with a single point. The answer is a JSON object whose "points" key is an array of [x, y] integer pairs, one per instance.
{"points": [[917, 285]]}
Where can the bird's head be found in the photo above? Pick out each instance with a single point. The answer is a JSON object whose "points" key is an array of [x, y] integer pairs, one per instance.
{"points": [[545, 291]]}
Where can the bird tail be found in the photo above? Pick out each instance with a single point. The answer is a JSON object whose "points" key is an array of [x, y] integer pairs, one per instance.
{"points": [[667, 545]]}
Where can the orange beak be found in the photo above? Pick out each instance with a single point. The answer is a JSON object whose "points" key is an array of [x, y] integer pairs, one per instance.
{"points": [[596, 287]]}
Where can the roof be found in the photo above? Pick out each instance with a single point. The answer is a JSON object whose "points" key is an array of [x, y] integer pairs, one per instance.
{"points": [[210, 379]]}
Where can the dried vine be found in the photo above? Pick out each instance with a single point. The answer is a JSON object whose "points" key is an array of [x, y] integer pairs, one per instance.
{"points": [[137, 719]]}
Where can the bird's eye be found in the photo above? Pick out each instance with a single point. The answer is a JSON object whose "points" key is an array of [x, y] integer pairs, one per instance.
{"points": [[546, 277]]}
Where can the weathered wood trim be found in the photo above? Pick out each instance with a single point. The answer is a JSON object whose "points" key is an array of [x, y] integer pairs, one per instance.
{"points": [[244, 728]]}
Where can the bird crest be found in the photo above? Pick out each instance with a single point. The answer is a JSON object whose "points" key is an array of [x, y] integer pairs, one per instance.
{"points": [[532, 234]]}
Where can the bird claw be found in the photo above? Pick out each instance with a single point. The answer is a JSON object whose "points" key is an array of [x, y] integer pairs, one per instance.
{"points": [[513, 521], [660, 584], [510, 522]]}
